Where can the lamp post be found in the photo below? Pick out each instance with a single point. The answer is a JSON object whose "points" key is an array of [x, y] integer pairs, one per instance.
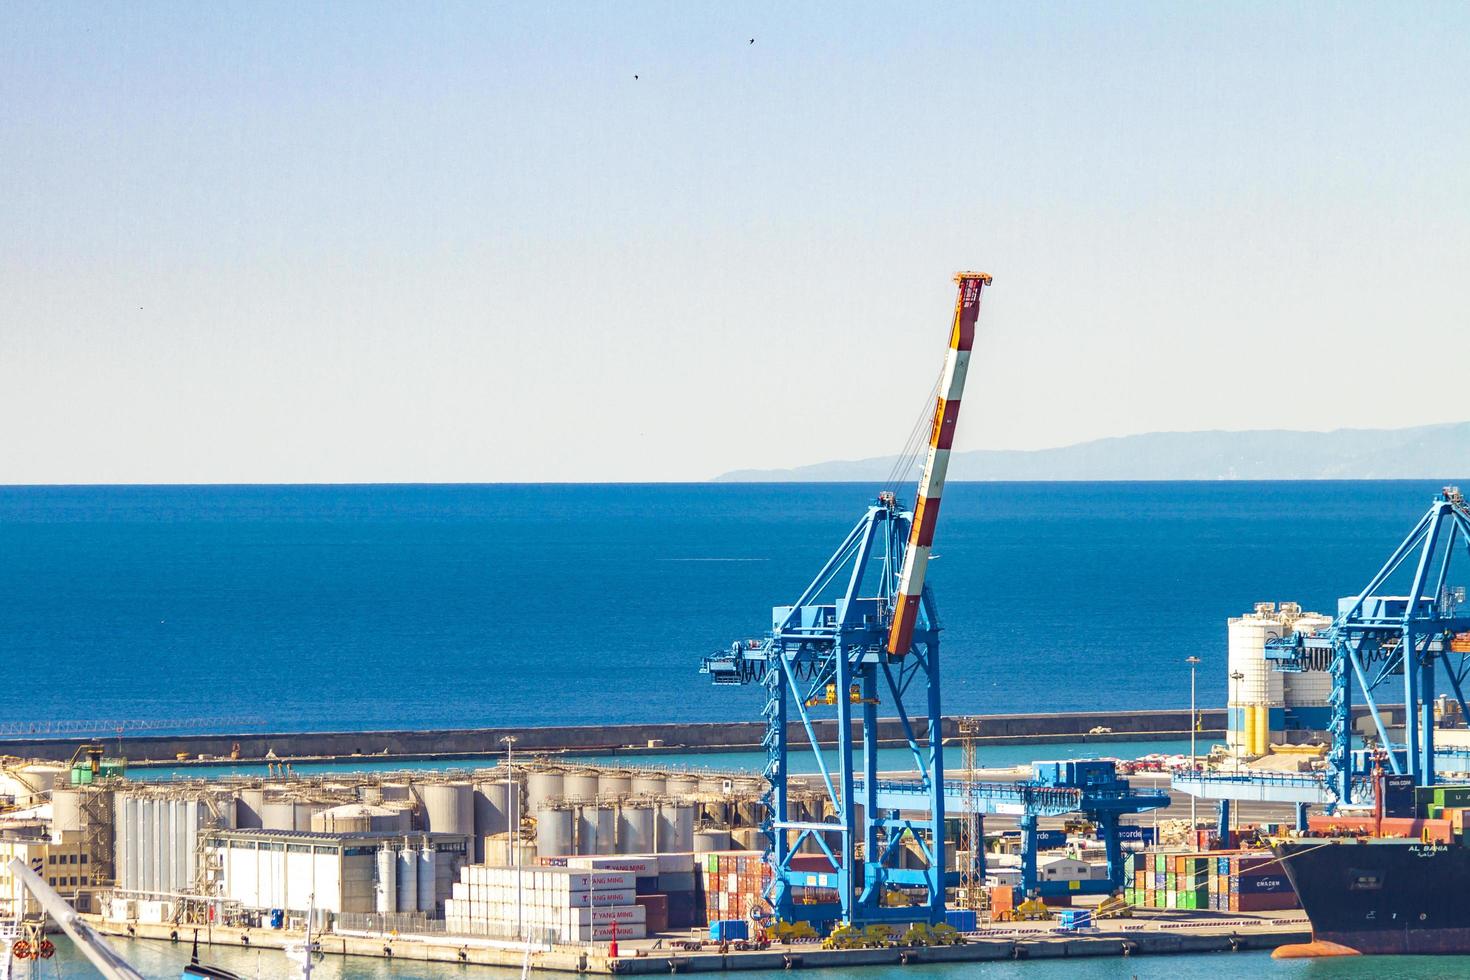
{"points": [[1193, 757], [1235, 678], [513, 805]]}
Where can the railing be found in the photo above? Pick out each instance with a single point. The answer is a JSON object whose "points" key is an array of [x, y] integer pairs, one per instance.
{"points": [[403, 923]]}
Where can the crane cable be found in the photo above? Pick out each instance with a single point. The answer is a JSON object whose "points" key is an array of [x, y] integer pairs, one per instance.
{"points": [[916, 441]]}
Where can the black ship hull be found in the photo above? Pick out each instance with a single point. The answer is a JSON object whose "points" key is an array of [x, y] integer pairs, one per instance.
{"points": [[1383, 896]]}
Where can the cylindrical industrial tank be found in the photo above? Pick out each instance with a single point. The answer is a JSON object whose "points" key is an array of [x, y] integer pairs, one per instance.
{"points": [[66, 811], [503, 851], [674, 828], [394, 792], [370, 793], [278, 815], [553, 831], [449, 808], [712, 839], [649, 784], [426, 890], [635, 828], [247, 808], [596, 829], [497, 803], [580, 785], [387, 886], [302, 812], [408, 879], [682, 786], [614, 784], [542, 787], [714, 785]]}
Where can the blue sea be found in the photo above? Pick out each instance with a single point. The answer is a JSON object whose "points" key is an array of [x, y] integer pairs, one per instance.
{"points": [[369, 607]]}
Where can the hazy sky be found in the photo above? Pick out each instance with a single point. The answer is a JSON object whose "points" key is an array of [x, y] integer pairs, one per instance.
{"points": [[442, 242]]}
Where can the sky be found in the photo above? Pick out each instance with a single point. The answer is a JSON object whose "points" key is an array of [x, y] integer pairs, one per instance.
{"points": [[359, 242]]}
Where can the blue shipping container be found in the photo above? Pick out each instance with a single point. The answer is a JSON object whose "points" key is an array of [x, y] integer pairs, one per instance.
{"points": [[961, 919], [728, 930]]}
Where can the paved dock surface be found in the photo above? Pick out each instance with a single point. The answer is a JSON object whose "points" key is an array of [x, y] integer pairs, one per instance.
{"points": [[1152, 933]]}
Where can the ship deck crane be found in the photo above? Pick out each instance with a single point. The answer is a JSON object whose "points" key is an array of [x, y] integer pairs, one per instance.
{"points": [[864, 633]]}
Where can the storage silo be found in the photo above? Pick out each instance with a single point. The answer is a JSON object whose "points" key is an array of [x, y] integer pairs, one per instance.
{"points": [[408, 878], [1255, 689], [395, 792], [497, 803], [681, 787], [649, 784], [370, 793], [248, 808], [581, 785], [635, 828], [715, 785], [302, 812], [278, 814], [387, 894], [596, 829], [66, 812], [449, 808], [427, 894], [712, 839], [554, 831], [674, 828], [614, 784], [543, 786]]}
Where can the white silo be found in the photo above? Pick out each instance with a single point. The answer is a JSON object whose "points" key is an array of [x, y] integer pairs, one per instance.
{"points": [[387, 885], [554, 831], [649, 784], [449, 808], [426, 889], [1307, 688], [581, 785], [543, 786], [408, 878], [613, 784], [1254, 687], [496, 804], [674, 828], [635, 828]]}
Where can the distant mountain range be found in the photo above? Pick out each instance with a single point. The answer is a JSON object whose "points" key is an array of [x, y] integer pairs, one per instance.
{"points": [[1422, 452]]}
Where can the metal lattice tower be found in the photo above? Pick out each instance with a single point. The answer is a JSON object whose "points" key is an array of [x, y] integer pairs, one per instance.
{"points": [[972, 871]]}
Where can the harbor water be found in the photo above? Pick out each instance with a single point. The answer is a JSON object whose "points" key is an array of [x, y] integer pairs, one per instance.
{"points": [[363, 607]]}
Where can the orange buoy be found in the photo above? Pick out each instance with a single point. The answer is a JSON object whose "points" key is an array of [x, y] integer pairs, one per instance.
{"points": [[1317, 947]]}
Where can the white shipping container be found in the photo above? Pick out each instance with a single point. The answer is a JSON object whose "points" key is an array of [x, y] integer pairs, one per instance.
{"points": [[639, 865], [617, 913], [604, 933], [675, 863]]}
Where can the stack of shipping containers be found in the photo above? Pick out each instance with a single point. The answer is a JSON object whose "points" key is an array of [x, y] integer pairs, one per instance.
{"points": [[1222, 881]]}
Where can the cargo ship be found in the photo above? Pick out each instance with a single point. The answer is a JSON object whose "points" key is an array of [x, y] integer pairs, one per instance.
{"points": [[1379, 884]]}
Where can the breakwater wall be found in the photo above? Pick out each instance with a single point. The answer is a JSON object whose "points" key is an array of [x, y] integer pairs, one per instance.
{"points": [[682, 737]]}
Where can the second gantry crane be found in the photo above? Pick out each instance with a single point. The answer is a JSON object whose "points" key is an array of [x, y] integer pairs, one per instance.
{"points": [[864, 632]]}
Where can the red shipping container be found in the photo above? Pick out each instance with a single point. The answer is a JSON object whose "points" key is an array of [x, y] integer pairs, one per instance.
{"points": [[1263, 901], [657, 915]]}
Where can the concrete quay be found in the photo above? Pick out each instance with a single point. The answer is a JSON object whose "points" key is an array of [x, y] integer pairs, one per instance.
{"points": [[1163, 935]]}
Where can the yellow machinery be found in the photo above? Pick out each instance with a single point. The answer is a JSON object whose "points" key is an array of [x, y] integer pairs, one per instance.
{"points": [[1113, 907], [793, 932], [1031, 910]]}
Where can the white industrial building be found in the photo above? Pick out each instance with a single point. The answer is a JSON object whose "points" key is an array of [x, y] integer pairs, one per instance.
{"points": [[350, 872]]}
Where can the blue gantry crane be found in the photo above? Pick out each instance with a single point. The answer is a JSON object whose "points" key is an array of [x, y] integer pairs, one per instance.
{"points": [[1412, 637], [863, 634]]}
